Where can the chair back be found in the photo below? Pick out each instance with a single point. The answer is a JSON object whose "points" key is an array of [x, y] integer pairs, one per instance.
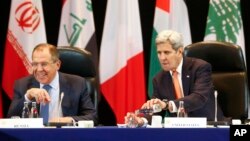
{"points": [[229, 74], [78, 61]]}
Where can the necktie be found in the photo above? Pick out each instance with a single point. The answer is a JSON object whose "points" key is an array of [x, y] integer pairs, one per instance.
{"points": [[45, 107], [177, 86]]}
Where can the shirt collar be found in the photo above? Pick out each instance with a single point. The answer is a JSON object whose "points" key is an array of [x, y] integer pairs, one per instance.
{"points": [[54, 83], [179, 68]]}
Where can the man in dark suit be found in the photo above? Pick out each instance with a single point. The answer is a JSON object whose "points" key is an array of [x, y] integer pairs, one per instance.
{"points": [[195, 81], [67, 97]]}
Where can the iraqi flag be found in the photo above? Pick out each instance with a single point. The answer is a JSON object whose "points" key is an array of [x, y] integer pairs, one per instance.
{"points": [[121, 58], [26, 30], [77, 26], [224, 22], [169, 14]]}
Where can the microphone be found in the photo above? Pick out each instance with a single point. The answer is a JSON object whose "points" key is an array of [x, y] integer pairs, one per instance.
{"points": [[215, 99], [60, 105], [216, 122], [59, 123]]}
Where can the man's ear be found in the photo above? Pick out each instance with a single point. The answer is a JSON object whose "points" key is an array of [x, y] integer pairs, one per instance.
{"points": [[58, 63], [180, 50]]}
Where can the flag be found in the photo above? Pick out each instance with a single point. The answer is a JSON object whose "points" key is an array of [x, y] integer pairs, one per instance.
{"points": [[224, 22], [121, 58], [26, 29], [169, 14], [77, 26]]}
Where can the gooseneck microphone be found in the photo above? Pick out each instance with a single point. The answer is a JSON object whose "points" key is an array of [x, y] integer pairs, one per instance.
{"points": [[60, 105], [216, 107]]}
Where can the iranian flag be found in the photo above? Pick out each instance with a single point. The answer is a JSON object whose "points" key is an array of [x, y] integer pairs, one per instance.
{"points": [[77, 26], [26, 30], [121, 58], [224, 22], [169, 14]]}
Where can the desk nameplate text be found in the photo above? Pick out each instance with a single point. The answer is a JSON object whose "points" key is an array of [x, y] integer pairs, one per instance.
{"points": [[173, 122], [21, 123]]}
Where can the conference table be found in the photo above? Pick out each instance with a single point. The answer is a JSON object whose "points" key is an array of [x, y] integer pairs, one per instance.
{"points": [[106, 133]]}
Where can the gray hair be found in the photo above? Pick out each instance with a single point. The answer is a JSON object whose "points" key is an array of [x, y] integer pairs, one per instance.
{"points": [[173, 37]]}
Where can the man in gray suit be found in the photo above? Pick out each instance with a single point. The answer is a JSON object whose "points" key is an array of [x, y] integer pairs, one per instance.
{"points": [[68, 99], [195, 81]]}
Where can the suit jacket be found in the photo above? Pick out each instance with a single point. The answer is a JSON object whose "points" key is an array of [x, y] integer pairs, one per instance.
{"points": [[76, 102], [198, 89]]}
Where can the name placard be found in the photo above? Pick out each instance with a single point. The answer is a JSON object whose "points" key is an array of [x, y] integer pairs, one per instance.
{"points": [[22, 123], [187, 122]]}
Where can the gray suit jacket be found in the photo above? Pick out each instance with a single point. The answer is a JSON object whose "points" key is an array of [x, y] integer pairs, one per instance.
{"points": [[76, 102], [198, 89]]}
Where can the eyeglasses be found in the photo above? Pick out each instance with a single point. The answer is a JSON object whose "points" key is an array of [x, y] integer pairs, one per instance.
{"points": [[42, 64]]}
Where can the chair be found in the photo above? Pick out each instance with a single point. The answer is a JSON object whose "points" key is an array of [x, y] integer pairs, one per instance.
{"points": [[78, 61], [229, 74]]}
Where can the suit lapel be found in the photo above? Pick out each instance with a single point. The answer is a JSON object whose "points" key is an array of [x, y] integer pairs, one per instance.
{"points": [[169, 86], [65, 89], [186, 74], [34, 83]]}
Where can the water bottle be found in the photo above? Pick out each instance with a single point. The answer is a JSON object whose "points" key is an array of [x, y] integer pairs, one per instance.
{"points": [[26, 111], [34, 112], [181, 110], [155, 109], [132, 123]]}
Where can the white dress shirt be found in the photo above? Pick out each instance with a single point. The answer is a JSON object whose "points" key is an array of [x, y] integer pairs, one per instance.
{"points": [[55, 109]]}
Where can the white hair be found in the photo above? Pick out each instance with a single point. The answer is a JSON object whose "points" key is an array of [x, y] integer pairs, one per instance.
{"points": [[173, 37]]}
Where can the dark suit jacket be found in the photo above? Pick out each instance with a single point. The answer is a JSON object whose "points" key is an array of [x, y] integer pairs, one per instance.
{"points": [[76, 102], [198, 89]]}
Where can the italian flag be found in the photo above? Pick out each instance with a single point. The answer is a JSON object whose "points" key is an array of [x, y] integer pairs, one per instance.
{"points": [[169, 14], [224, 22], [121, 58], [77, 26], [26, 29]]}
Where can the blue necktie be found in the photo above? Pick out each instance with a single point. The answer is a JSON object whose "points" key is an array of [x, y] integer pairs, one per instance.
{"points": [[45, 107]]}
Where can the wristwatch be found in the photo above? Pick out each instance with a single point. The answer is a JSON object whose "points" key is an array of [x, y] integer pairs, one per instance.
{"points": [[165, 101]]}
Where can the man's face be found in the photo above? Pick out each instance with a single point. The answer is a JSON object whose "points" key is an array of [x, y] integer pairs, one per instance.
{"points": [[44, 68], [168, 57]]}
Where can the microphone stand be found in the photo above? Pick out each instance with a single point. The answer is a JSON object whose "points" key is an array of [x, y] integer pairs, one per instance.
{"points": [[216, 122], [215, 99], [60, 105], [58, 123]]}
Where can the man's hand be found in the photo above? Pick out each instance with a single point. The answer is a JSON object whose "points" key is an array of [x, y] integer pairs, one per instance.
{"points": [[149, 104], [41, 95], [136, 119]]}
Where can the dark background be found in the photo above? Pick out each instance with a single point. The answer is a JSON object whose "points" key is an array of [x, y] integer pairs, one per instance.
{"points": [[197, 9]]}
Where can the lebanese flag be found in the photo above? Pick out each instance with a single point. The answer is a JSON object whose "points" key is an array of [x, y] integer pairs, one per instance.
{"points": [[26, 30], [121, 58], [77, 27], [224, 23], [169, 14]]}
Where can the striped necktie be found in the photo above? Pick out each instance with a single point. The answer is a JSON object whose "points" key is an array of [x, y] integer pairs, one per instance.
{"points": [[45, 107]]}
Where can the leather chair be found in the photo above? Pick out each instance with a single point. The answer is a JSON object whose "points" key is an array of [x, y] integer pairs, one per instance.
{"points": [[78, 61], [229, 74]]}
